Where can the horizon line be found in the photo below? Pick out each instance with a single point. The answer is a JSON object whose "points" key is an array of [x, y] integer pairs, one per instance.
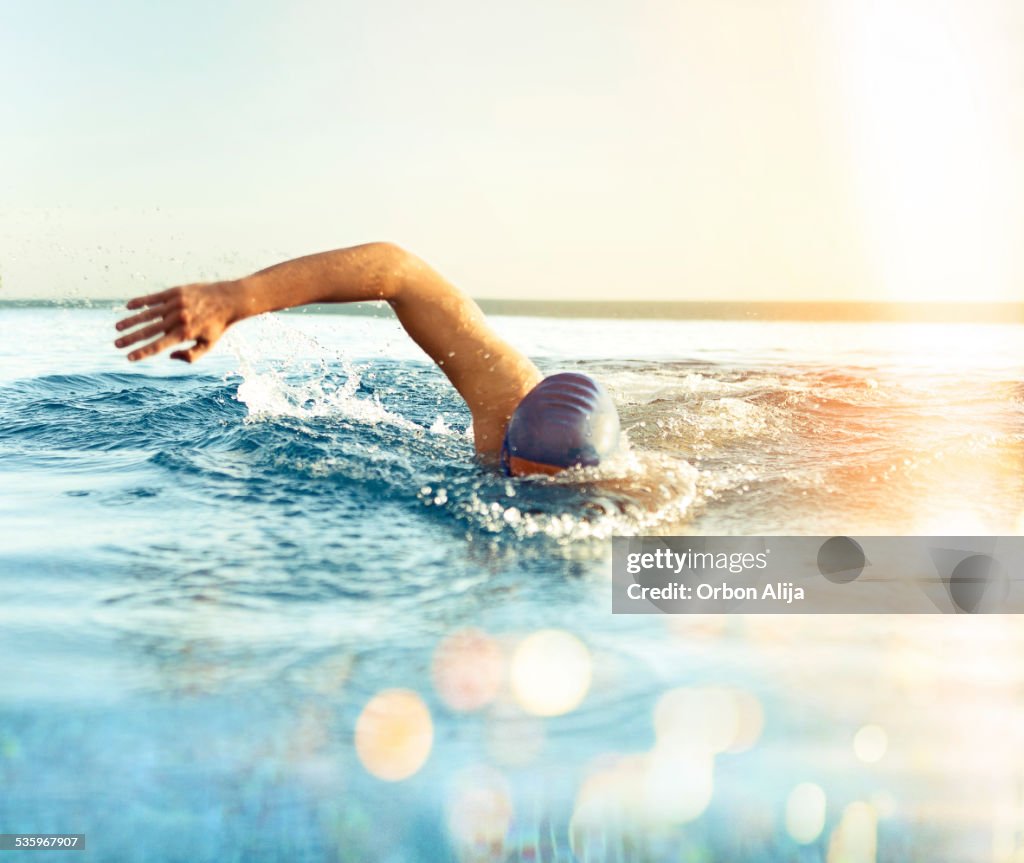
{"points": [[767, 310]]}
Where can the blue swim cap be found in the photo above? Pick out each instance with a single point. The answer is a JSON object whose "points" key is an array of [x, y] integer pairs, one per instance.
{"points": [[568, 419]]}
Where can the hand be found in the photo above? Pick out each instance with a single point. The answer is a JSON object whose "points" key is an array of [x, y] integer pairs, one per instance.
{"points": [[198, 313]]}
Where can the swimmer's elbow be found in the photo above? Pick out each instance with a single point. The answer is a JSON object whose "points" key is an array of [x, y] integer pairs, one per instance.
{"points": [[387, 250], [408, 276], [394, 264], [382, 268]]}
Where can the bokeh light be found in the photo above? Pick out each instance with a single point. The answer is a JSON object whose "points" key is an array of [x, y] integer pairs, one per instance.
{"points": [[678, 783], [750, 724], [611, 793], [715, 719], [468, 669], [870, 743], [394, 734], [479, 808], [664, 787], [805, 812], [855, 840], [551, 672]]}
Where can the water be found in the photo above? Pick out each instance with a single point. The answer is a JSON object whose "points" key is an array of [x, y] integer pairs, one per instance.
{"points": [[269, 607]]}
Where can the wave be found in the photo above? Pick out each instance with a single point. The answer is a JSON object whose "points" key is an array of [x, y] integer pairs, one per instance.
{"points": [[298, 423]]}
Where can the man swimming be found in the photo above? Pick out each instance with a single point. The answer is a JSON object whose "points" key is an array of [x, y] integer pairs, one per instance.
{"points": [[534, 424]]}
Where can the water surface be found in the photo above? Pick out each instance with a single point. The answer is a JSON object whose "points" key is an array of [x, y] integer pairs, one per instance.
{"points": [[270, 607]]}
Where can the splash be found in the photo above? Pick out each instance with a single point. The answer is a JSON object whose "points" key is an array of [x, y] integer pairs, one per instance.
{"points": [[286, 374], [295, 385], [636, 492]]}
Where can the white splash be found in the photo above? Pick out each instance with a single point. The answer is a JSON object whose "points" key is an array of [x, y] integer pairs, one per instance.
{"points": [[294, 385]]}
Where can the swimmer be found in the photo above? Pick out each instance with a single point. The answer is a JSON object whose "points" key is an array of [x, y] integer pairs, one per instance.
{"points": [[522, 420]]}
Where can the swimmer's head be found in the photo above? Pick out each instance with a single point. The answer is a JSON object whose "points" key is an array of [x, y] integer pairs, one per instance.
{"points": [[566, 420]]}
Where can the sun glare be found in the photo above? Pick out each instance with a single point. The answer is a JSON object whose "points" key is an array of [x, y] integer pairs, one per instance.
{"points": [[930, 145]]}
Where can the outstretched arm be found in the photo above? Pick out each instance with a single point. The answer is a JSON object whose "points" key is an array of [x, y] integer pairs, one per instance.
{"points": [[490, 374]]}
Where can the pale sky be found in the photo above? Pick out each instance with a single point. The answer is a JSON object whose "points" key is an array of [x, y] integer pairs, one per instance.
{"points": [[625, 149]]}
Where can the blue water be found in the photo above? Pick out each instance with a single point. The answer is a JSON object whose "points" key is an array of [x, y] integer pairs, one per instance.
{"points": [[212, 577]]}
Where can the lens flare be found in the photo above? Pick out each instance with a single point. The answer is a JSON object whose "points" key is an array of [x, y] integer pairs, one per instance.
{"points": [[468, 670], [394, 735], [551, 672], [805, 813]]}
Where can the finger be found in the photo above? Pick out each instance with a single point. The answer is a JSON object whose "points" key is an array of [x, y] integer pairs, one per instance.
{"points": [[162, 326], [148, 315], [174, 337], [193, 353], [149, 299]]}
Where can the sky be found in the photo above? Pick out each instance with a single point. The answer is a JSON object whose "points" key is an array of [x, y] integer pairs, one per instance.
{"points": [[547, 149]]}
